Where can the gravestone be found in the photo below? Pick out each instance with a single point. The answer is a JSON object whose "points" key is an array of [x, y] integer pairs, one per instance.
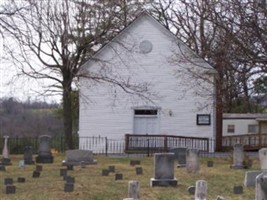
{"points": [[105, 172], [36, 174], [75, 157], [28, 155], [133, 189], [111, 169], [238, 189], [69, 187], [201, 190], [69, 167], [238, 157], [192, 160], [163, 170], [250, 178], [2, 167], [39, 168], [220, 197], [69, 179], [63, 172], [263, 158], [44, 151], [210, 163], [180, 156], [261, 186], [10, 189], [22, 164], [191, 190], [21, 180], [139, 170], [5, 153], [8, 181], [135, 162], [118, 176]]}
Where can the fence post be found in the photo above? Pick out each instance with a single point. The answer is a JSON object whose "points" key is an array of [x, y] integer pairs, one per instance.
{"points": [[106, 139]]}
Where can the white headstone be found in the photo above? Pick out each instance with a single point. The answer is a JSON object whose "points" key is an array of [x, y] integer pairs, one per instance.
{"points": [[261, 186], [133, 190], [201, 190], [238, 157], [192, 160], [263, 158], [5, 152]]}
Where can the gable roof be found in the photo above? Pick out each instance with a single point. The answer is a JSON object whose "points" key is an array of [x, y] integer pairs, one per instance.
{"points": [[140, 15]]}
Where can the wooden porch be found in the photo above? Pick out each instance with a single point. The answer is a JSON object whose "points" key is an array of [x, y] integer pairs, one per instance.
{"points": [[250, 141]]}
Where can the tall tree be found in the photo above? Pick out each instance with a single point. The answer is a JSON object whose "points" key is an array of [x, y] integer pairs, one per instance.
{"points": [[52, 39]]}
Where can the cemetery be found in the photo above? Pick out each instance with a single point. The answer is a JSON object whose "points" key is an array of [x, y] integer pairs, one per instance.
{"points": [[180, 174]]}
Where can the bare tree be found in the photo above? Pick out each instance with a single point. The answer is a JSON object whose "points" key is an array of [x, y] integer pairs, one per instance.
{"points": [[52, 39]]}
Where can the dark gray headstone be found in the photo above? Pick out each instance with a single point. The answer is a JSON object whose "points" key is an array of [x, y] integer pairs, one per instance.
{"points": [[250, 178], [105, 172], [2, 167], [8, 181], [191, 190], [76, 156], [69, 179], [238, 189], [139, 170], [63, 172], [69, 167], [210, 163], [118, 176], [10, 189], [111, 169], [36, 174], [135, 162], [39, 168], [180, 156], [44, 151], [28, 155], [69, 187], [21, 180]]}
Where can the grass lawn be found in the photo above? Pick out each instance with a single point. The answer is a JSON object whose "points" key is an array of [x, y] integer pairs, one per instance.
{"points": [[91, 185]]}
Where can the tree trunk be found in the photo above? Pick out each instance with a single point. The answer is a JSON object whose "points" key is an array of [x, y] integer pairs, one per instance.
{"points": [[67, 115], [219, 114]]}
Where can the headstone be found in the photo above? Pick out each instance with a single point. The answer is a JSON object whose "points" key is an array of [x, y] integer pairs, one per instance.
{"points": [[69, 179], [210, 163], [8, 181], [69, 167], [5, 153], [238, 157], [10, 189], [63, 172], [220, 197], [133, 189], [118, 176], [163, 170], [44, 151], [36, 174], [263, 158], [39, 168], [191, 190], [139, 170], [250, 178], [83, 164], [192, 160], [238, 189], [75, 157], [28, 155], [69, 187], [180, 155], [135, 162], [21, 164], [261, 186], [2, 168], [111, 169], [105, 172], [21, 180], [201, 190]]}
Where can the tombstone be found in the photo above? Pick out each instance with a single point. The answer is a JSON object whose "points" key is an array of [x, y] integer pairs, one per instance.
{"points": [[163, 170], [210, 163], [22, 164], [36, 174], [75, 157], [180, 155], [192, 160], [191, 190], [133, 189], [39, 168], [83, 164], [8, 181], [263, 158], [118, 176], [2, 167], [238, 157], [44, 151], [238, 189], [69, 167], [69, 187], [5, 153], [21, 180], [201, 190], [261, 186], [139, 170], [105, 172], [63, 172], [135, 162], [111, 169], [250, 178], [28, 155], [220, 197], [10, 189], [69, 179]]}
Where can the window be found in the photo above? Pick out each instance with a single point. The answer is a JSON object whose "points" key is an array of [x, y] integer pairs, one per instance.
{"points": [[231, 128], [253, 128], [203, 119]]}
